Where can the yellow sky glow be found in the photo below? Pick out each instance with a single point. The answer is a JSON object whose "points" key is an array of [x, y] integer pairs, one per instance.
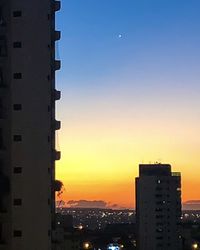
{"points": [[101, 162]]}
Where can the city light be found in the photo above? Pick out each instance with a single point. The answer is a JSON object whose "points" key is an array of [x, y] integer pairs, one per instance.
{"points": [[195, 246], [113, 247], [80, 227], [86, 245]]}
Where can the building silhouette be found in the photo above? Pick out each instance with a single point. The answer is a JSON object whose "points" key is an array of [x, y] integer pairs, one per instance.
{"points": [[158, 207], [27, 123]]}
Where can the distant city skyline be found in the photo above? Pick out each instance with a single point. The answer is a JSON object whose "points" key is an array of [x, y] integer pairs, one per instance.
{"points": [[100, 204], [130, 87]]}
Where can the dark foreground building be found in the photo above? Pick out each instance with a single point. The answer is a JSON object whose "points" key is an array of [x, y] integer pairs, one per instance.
{"points": [[158, 207], [27, 123]]}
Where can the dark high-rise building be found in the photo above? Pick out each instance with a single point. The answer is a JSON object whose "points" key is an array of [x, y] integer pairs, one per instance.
{"points": [[158, 207], [27, 123]]}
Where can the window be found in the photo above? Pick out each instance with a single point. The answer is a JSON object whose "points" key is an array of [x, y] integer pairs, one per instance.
{"points": [[17, 170], [1, 77], [158, 195], [159, 216], [17, 202], [17, 13], [17, 107], [1, 139], [1, 231], [17, 233], [159, 238], [17, 75], [17, 138], [158, 209], [1, 109], [17, 45], [1, 164], [2, 22]]}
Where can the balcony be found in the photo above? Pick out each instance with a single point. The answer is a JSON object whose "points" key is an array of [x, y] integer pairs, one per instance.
{"points": [[2, 82], [57, 5], [57, 64], [57, 35], [3, 46], [2, 113], [2, 147], [56, 155], [4, 187], [3, 245], [57, 95], [4, 215], [57, 125], [3, 87]]}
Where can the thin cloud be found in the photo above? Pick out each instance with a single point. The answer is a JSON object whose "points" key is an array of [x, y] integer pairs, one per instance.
{"points": [[87, 204]]}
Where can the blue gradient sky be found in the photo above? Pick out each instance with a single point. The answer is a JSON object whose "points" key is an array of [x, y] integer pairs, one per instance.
{"points": [[130, 93]]}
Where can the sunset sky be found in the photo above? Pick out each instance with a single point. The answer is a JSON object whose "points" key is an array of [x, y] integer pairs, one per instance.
{"points": [[130, 83]]}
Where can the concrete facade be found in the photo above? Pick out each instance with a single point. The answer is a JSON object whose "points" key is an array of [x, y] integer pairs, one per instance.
{"points": [[27, 123], [158, 207]]}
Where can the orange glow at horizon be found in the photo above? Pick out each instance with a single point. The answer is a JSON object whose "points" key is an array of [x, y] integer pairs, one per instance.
{"points": [[101, 163]]}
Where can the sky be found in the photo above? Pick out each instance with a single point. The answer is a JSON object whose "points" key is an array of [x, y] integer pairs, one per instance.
{"points": [[130, 83]]}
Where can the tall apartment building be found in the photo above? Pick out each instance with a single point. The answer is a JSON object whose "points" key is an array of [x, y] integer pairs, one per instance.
{"points": [[158, 207], [27, 123]]}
